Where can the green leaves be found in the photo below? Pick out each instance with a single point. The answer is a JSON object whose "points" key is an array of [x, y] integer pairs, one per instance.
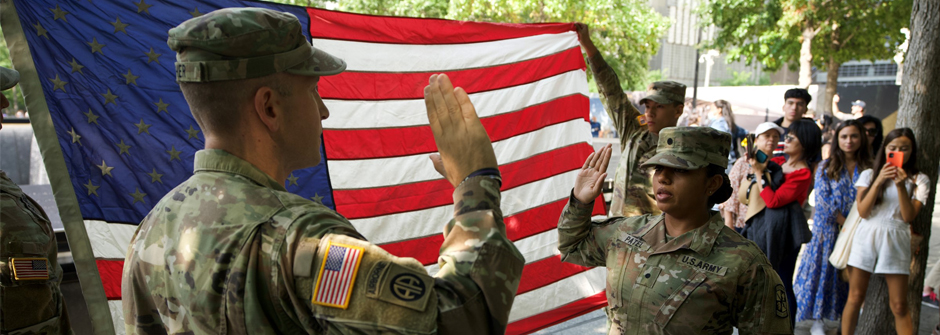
{"points": [[770, 31]]}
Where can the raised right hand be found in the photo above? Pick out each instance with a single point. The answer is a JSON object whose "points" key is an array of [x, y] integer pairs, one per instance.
{"points": [[461, 139], [589, 183]]}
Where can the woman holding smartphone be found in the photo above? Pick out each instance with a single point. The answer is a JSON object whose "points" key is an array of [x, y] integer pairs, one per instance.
{"points": [[889, 198], [820, 293]]}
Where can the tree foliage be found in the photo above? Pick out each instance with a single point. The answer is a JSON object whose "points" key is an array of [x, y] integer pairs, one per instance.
{"points": [[626, 31], [771, 31]]}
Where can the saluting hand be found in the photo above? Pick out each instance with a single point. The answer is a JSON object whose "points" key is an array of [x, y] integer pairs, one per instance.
{"points": [[462, 141], [589, 184]]}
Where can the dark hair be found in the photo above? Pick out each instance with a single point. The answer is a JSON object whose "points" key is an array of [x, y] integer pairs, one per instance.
{"points": [[836, 162], [723, 192], [879, 131], [810, 138], [726, 113], [910, 167], [799, 93]]}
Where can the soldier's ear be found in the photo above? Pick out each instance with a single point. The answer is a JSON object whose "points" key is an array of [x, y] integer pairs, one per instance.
{"points": [[268, 107]]}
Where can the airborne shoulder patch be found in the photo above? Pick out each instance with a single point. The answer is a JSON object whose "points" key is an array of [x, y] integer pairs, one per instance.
{"points": [[398, 285], [337, 275]]}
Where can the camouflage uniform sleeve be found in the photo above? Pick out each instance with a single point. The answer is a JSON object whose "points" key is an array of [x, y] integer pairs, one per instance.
{"points": [[760, 306], [26, 233], [581, 241], [471, 294], [619, 107]]}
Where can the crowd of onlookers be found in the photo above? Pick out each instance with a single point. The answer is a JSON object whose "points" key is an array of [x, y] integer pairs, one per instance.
{"points": [[796, 184], [847, 168]]}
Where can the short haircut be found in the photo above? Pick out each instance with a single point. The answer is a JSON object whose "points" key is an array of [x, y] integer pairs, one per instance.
{"points": [[799, 93], [810, 138], [214, 104]]}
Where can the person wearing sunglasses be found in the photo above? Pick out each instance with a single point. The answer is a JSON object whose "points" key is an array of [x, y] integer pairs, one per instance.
{"points": [[874, 131]]}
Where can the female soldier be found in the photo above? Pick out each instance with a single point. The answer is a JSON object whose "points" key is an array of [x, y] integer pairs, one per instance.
{"points": [[683, 271]]}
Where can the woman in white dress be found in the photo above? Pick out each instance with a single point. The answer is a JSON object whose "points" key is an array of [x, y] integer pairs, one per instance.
{"points": [[889, 198]]}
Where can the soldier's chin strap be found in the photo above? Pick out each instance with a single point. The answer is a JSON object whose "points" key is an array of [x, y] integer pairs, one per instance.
{"points": [[231, 69]]}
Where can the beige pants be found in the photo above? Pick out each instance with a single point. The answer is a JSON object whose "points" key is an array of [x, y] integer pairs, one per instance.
{"points": [[933, 278]]}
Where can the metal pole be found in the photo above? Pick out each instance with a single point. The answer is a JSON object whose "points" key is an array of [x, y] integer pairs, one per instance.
{"points": [[695, 81], [766, 114]]}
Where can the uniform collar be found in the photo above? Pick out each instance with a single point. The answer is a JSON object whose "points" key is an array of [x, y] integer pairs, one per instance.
{"points": [[216, 160], [701, 239]]}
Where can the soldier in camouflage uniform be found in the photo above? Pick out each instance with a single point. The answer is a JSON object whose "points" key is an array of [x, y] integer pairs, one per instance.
{"points": [[30, 299], [683, 271], [230, 251], [633, 193]]}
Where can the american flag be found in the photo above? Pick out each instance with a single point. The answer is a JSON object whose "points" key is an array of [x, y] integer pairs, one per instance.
{"points": [[337, 275], [30, 268], [116, 133]]}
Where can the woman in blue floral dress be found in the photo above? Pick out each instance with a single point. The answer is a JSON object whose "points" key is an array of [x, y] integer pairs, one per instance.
{"points": [[820, 293]]}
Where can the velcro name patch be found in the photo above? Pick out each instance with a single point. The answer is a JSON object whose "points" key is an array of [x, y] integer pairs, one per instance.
{"points": [[703, 266], [337, 275]]}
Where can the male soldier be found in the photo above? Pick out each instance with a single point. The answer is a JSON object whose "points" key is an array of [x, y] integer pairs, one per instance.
{"points": [[29, 270], [231, 251], [633, 194]]}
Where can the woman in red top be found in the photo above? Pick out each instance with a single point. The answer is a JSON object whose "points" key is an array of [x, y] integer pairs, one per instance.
{"points": [[802, 145]]}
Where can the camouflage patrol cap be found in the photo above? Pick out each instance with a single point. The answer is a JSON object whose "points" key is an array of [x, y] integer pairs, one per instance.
{"points": [[665, 92], [690, 148], [243, 43], [8, 78]]}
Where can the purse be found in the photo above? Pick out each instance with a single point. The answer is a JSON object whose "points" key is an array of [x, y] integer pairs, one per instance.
{"points": [[840, 252]]}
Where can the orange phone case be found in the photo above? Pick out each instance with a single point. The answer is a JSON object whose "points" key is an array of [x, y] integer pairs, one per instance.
{"points": [[896, 158]]}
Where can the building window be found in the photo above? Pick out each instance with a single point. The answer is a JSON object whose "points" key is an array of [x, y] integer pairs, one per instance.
{"points": [[888, 69], [854, 70]]}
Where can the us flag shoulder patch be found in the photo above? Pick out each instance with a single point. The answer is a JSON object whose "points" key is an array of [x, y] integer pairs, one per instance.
{"points": [[337, 275], [30, 268]]}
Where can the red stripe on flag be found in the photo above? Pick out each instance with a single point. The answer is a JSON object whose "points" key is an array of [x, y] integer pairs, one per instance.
{"points": [[362, 203], [376, 86], [546, 271], [110, 272], [353, 144], [558, 315], [518, 226], [385, 29]]}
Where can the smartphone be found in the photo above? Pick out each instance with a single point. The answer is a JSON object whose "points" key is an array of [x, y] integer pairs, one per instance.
{"points": [[760, 156], [896, 158]]}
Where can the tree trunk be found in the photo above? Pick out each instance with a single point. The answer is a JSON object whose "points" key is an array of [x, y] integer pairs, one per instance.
{"points": [[920, 94], [806, 56], [832, 85], [832, 71]]}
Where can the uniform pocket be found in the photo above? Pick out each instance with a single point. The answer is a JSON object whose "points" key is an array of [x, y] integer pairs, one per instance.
{"points": [[672, 304], [28, 306]]}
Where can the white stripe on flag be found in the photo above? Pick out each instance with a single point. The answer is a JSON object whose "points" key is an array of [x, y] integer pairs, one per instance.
{"points": [[359, 114], [369, 173], [361, 56], [425, 222], [109, 240], [560, 293]]}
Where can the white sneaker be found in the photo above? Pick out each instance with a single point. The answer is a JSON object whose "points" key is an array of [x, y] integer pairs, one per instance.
{"points": [[818, 328]]}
